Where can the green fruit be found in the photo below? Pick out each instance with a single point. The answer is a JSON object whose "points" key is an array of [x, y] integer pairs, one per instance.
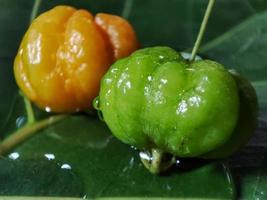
{"points": [[156, 99]]}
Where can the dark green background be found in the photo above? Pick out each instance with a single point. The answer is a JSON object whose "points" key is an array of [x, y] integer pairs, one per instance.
{"points": [[100, 165]]}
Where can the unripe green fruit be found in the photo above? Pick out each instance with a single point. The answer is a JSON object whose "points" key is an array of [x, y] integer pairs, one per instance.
{"points": [[156, 99]]}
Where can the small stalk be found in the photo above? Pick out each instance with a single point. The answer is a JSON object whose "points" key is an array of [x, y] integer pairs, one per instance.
{"points": [[29, 110], [35, 9], [156, 161], [28, 105], [128, 4], [202, 30], [25, 132]]}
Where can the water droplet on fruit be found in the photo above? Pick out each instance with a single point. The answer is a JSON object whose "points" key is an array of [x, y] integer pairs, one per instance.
{"points": [[133, 147], [100, 115], [145, 156], [96, 103], [187, 56], [47, 109]]}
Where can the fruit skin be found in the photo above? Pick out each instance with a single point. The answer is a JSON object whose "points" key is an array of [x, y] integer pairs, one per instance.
{"points": [[123, 40], [65, 53], [156, 99], [247, 120]]}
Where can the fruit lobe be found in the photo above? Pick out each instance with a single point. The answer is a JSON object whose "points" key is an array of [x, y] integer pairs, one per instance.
{"points": [[63, 56], [247, 120], [122, 36]]}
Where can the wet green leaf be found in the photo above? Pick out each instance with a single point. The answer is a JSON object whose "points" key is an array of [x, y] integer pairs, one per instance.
{"points": [[37, 177], [108, 168]]}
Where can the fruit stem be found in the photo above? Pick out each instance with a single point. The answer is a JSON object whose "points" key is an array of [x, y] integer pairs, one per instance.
{"points": [[28, 105], [29, 109], [35, 9], [25, 132], [202, 30], [156, 160], [127, 9]]}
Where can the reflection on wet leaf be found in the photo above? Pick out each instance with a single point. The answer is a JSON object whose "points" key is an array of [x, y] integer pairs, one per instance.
{"points": [[38, 177]]}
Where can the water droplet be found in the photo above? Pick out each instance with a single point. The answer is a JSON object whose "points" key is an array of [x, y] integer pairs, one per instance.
{"points": [[47, 109], [14, 155], [65, 166], [50, 156], [187, 56], [128, 84], [164, 81], [145, 156], [182, 107], [20, 121], [133, 147], [194, 101], [100, 115], [96, 103], [108, 80]]}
